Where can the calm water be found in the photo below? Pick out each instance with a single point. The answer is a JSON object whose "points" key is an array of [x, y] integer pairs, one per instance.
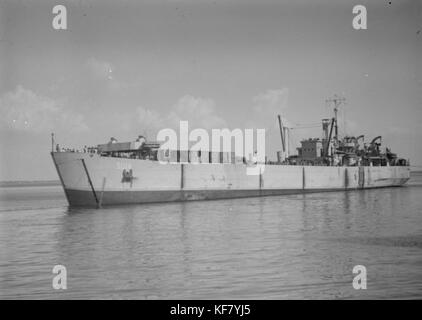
{"points": [[301, 246]]}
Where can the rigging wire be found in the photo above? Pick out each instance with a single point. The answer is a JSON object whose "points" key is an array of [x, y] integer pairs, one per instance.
{"points": [[305, 127], [306, 124]]}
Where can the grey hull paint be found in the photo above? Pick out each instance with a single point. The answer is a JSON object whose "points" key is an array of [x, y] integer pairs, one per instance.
{"points": [[80, 198], [93, 181]]}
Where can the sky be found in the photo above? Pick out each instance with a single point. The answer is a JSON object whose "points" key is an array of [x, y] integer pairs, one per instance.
{"points": [[124, 68]]}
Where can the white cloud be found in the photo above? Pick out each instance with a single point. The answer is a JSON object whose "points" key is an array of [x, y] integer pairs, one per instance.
{"points": [[199, 112], [149, 120], [24, 110], [271, 101], [100, 69], [265, 108], [202, 113]]}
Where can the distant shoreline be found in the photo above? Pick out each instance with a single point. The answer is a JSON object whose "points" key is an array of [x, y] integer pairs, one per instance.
{"points": [[39, 183]]}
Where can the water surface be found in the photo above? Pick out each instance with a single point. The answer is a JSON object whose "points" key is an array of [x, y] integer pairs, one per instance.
{"points": [[281, 247]]}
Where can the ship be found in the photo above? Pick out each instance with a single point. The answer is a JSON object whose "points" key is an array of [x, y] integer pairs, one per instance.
{"points": [[140, 171]]}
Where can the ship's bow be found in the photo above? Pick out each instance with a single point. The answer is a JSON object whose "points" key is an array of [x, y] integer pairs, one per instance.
{"points": [[74, 177]]}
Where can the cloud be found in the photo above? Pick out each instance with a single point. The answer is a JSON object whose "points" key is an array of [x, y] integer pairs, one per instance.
{"points": [[202, 113], [199, 112], [150, 120], [24, 110], [265, 108], [271, 101], [100, 69]]}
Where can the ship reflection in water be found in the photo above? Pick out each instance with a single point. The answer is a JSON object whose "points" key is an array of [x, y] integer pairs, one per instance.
{"points": [[294, 246]]}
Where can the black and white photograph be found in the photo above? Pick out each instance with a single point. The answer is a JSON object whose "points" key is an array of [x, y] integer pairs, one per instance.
{"points": [[210, 150]]}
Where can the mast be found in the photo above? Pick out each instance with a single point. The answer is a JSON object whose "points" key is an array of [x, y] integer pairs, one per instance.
{"points": [[286, 140], [337, 101], [52, 142], [326, 151], [281, 133]]}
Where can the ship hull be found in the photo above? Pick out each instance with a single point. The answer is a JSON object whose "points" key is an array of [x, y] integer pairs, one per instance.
{"points": [[90, 180]]}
